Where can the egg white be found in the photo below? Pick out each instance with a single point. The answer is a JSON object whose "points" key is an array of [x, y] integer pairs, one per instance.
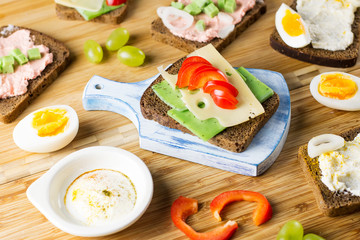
{"points": [[26, 137], [295, 42], [351, 104]]}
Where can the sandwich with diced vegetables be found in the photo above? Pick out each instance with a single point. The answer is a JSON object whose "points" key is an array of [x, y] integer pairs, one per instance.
{"points": [[192, 24]]}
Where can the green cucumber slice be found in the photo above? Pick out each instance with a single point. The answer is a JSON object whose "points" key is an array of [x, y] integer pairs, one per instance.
{"points": [[201, 3], [168, 95], [204, 129], [192, 9], [230, 6], [200, 25], [177, 5], [221, 4], [260, 90], [211, 10], [34, 54], [88, 15], [19, 56]]}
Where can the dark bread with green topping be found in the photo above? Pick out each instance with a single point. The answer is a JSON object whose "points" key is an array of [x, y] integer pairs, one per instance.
{"points": [[114, 17], [236, 138], [343, 59], [12, 107], [162, 34], [330, 203]]}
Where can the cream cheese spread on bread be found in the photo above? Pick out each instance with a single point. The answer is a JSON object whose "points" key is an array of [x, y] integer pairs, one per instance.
{"points": [[14, 84], [340, 169], [329, 22]]}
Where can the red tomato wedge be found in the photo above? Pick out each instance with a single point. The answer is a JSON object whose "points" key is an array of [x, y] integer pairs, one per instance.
{"points": [[216, 84], [186, 73], [183, 207], [224, 99], [199, 80], [262, 213], [115, 2]]}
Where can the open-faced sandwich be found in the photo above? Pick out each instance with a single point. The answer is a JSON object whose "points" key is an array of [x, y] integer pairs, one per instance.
{"points": [[331, 166], [104, 11], [202, 94], [323, 32], [192, 24], [29, 62]]}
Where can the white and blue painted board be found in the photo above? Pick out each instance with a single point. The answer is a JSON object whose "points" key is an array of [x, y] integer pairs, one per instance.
{"points": [[124, 98]]}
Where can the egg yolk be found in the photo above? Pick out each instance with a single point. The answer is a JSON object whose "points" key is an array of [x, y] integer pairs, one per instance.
{"points": [[292, 24], [337, 86], [50, 122]]}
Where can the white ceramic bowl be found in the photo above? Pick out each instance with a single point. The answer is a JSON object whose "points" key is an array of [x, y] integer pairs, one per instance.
{"points": [[48, 192]]}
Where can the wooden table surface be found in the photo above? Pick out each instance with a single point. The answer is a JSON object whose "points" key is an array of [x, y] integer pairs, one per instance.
{"points": [[283, 184]]}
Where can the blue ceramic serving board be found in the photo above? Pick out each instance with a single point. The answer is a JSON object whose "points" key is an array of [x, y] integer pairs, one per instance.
{"points": [[124, 98]]}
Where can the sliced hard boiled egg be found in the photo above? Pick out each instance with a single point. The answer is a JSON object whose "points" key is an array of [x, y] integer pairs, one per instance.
{"points": [[337, 90], [47, 129], [291, 27], [324, 143]]}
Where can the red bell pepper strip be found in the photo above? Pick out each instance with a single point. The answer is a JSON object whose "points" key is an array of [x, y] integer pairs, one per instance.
{"points": [[262, 213], [184, 207]]}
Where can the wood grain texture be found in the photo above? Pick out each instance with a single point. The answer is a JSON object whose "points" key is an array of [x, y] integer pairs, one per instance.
{"points": [[283, 184]]}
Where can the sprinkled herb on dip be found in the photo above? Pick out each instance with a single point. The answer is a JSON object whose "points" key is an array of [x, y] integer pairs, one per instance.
{"points": [[100, 196]]}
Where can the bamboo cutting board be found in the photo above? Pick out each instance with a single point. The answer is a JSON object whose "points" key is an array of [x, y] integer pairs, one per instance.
{"points": [[283, 184]]}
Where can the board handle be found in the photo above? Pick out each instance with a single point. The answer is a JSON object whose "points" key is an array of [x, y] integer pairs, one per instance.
{"points": [[123, 98]]}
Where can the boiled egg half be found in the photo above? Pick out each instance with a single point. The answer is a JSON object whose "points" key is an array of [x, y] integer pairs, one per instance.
{"points": [[337, 90], [291, 27], [47, 129]]}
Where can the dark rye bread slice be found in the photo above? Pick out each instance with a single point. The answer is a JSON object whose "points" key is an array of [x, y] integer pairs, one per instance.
{"points": [[341, 59], [235, 139], [10, 108], [330, 203], [162, 34], [114, 17]]}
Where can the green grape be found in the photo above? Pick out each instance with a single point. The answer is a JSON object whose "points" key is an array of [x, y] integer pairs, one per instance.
{"points": [[311, 236], [93, 51], [292, 230], [117, 39], [131, 56]]}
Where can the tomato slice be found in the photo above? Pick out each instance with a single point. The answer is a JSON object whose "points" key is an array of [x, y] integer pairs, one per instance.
{"points": [[199, 80], [185, 75], [115, 2], [216, 84], [224, 99]]}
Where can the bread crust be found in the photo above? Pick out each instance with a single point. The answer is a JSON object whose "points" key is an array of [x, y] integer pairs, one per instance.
{"points": [[236, 138], [341, 59], [114, 17], [162, 34], [330, 203], [11, 108]]}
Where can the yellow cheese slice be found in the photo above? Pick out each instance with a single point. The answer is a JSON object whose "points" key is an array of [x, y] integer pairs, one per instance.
{"points": [[90, 5], [248, 106]]}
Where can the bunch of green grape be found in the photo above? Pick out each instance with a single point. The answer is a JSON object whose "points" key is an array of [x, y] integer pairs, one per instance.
{"points": [[128, 55], [293, 230]]}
